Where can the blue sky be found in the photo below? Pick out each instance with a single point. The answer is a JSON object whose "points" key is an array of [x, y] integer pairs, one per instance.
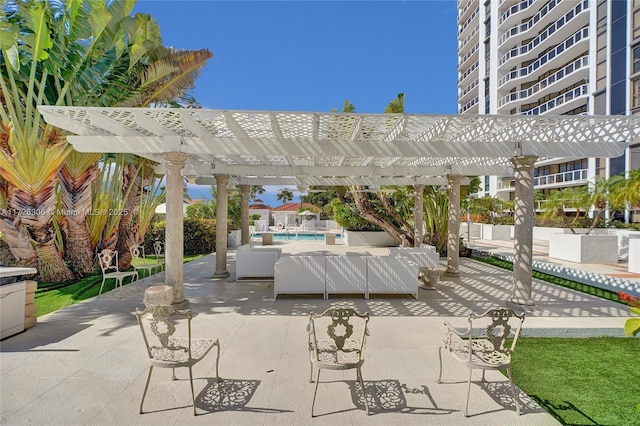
{"points": [[312, 55]]}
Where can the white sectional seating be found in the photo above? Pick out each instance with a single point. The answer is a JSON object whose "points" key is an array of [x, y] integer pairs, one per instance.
{"points": [[300, 274], [390, 274], [256, 262], [346, 274]]}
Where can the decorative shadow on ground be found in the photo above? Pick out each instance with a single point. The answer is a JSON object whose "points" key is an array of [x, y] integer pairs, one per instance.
{"points": [[390, 396], [230, 395]]}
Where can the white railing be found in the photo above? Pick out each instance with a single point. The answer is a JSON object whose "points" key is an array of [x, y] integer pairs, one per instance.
{"points": [[465, 9], [570, 176], [468, 38], [531, 22], [578, 64], [470, 87], [468, 21], [469, 53], [514, 9], [559, 100], [469, 105], [469, 70], [569, 16], [523, 72]]}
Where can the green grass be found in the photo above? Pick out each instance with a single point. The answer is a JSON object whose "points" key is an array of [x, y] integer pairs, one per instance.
{"points": [[53, 296], [584, 288], [594, 381]]}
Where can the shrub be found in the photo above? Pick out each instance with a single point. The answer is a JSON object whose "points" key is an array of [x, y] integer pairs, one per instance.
{"points": [[199, 236]]}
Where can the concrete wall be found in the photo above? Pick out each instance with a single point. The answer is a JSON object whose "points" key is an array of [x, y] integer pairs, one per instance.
{"points": [[582, 248], [368, 238]]}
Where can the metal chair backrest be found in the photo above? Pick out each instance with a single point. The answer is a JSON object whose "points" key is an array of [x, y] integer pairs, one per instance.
{"points": [[497, 326], [158, 329], [137, 252], [158, 248], [108, 260], [344, 329]]}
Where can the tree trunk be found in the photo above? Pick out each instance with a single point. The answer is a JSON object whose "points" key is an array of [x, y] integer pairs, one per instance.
{"points": [[76, 203], [131, 189], [366, 211], [79, 251], [23, 253]]}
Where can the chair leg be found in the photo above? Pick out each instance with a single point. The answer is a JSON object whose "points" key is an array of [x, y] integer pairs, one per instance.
{"points": [[364, 394], [483, 379], [466, 408], [217, 343], [310, 371], [146, 386], [513, 390], [173, 374], [193, 394], [101, 285], [439, 380], [315, 392]]}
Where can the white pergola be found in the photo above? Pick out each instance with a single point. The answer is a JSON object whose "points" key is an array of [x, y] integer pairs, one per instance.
{"points": [[321, 149]]}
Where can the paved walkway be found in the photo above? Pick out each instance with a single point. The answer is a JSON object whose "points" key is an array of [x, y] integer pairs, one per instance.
{"points": [[86, 364]]}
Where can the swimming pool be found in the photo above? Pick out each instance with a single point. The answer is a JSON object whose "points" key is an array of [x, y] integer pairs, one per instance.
{"points": [[300, 236]]}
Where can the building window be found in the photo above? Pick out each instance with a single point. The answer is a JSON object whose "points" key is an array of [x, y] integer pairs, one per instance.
{"points": [[635, 94], [636, 59], [486, 184]]}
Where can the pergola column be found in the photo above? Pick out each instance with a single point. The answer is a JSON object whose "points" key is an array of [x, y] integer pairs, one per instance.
{"points": [[523, 230], [453, 234], [245, 237], [174, 238], [221, 226], [418, 212]]}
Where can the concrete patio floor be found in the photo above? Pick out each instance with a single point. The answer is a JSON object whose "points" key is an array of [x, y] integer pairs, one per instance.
{"points": [[86, 364]]}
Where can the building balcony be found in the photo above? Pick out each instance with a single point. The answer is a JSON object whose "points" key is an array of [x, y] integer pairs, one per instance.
{"points": [[551, 34], [467, 73], [468, 23], [514, 10], [463, 13], [469, 91], [541, 19], [469, 105], [567, 48], [571, 74], [469, 56], [563, 103], [466, 44], [570, 178]]}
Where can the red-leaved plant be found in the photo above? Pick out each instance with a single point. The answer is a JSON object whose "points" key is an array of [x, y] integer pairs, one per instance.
{"points": [[632, 326]]}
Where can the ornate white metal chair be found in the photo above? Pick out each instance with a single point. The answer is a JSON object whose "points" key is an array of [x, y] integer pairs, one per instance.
{"points": [[139, 260], [485, 351], [336, 341], [108, 260], [168, 351]]}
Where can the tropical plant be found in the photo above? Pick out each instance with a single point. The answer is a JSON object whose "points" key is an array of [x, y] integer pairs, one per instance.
{"points": [[285, 195], [556, 204], [71, 53]]}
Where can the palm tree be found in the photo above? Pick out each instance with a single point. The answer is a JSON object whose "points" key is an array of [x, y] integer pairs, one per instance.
{"points": [[74, 59], [285, 195]]}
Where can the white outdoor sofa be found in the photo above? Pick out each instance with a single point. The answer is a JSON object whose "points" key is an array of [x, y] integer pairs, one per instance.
{"points": [[365, 274], [256, 262], [300, 274]]}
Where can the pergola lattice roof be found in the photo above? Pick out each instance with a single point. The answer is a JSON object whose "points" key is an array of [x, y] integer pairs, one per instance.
{"points": [[321, 148]]}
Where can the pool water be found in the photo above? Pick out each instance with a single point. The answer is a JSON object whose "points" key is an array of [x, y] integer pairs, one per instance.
{"points": [[292, 236]]}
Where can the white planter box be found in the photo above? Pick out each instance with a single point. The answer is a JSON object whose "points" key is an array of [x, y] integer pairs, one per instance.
{"points": [[634, 255], [368, 238], [581, 248], [496, 232]]}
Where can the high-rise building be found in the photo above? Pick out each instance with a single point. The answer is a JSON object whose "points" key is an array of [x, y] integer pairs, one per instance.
{"points": [[533, 57]]}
